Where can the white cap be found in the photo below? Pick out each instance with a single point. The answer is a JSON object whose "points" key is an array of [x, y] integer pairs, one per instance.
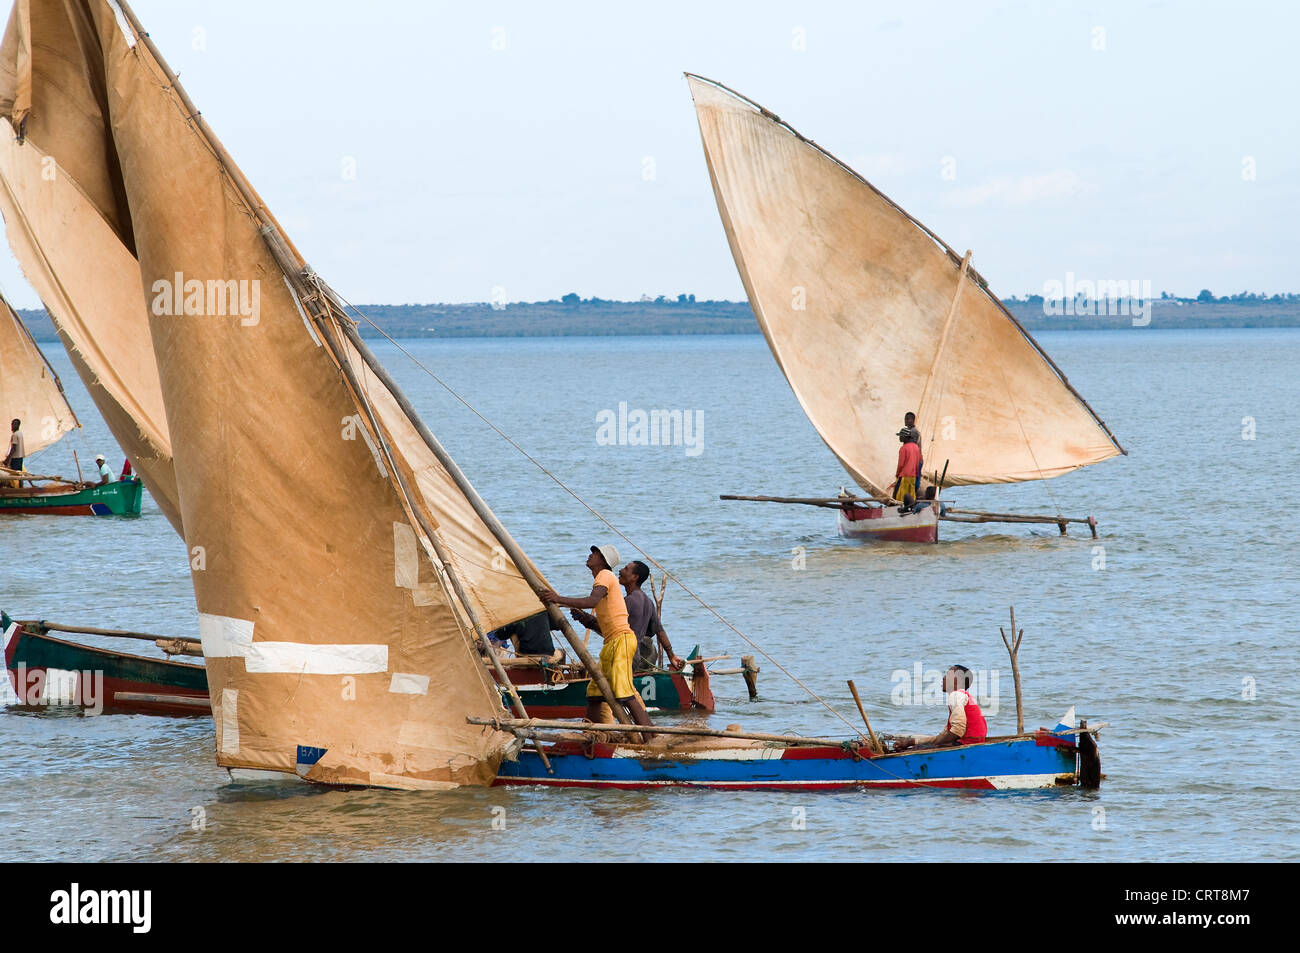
{"points": [[610, 554], [99, 457]]}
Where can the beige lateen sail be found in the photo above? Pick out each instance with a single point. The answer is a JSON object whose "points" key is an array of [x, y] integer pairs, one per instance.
{"points": [[66, 223], [869, 316], [335, 644], [29, 389]]}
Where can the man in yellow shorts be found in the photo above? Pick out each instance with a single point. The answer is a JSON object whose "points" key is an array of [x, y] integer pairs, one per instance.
{"points": [[616, 656]]}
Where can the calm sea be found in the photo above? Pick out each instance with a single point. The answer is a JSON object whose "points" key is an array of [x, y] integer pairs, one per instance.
{"points": [[1179, 631]]}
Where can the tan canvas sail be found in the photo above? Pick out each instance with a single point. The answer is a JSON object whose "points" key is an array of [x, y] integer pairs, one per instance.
{"points": [[335, 646], [29, 389], [860, 306], [66, 224]]}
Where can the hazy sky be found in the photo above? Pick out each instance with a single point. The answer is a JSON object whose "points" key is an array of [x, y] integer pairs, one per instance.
{"points": [[542, 148]]}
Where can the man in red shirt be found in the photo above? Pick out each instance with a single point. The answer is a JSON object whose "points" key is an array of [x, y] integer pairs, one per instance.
{"points": [[966, 725], [909, 465]]}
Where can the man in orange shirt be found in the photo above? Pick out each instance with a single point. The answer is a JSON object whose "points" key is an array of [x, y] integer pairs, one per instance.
{"points": [[620, 642]]}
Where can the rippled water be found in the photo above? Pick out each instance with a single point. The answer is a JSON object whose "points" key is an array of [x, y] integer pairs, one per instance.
{"points": [[1197, 598]]}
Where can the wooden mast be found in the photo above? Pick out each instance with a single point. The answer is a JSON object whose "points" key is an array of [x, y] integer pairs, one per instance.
{"points": [[293, 267]]}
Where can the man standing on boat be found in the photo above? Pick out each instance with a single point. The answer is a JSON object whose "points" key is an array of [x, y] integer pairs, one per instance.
{"points": [[966, 725], [909, 424], [620, 641], [17, 448], [642, 617], [908, 472]]}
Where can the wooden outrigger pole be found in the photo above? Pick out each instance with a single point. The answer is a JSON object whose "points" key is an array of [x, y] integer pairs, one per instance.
{"points": [[951, 514]]}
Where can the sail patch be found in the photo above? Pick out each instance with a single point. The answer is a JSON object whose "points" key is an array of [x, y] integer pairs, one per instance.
{"points": [[299, 658], [229, 729], [224, 637], [408, 683]]}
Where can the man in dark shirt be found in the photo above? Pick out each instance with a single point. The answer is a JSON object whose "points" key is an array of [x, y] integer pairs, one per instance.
{"points": [[530, 636], [642, 617]]}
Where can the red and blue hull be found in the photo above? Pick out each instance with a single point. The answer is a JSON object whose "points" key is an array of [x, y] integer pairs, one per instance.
{"points": [[1044, 760]]}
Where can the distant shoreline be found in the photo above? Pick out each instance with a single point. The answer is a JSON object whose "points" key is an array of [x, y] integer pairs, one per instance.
{"points": [[599, 318]]}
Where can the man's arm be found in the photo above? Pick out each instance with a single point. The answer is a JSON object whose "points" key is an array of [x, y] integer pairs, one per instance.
{"points": [[586, 618], [574, 602]]}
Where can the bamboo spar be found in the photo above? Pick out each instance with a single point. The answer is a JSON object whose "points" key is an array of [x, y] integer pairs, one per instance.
{"points": [[293, 267]]}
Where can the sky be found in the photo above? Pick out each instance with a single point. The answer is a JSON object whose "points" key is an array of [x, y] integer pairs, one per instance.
{"points": [[435, 152]]}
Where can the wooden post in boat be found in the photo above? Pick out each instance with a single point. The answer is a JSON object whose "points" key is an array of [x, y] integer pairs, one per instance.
{"points": [[749, 670], [1013, 647], [78, 463], [875, 743], [1089, 759]]}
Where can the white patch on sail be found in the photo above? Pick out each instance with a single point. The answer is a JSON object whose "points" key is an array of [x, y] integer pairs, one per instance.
{"points": [[406, 560], [224, 637], [229, 728], [298, 658], [301, 313], [407, 683], [122, 23]]}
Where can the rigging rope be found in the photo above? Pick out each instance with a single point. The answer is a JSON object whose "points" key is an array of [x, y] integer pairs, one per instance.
{"points": [[562, 485]]}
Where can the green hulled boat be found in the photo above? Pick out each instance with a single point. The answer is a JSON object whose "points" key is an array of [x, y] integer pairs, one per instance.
{"points": [[70, 499]]}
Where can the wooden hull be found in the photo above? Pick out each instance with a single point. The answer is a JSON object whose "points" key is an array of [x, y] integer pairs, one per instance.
{"points": [[100, 679], [112, 499], [884, 524], [1044, 760]]}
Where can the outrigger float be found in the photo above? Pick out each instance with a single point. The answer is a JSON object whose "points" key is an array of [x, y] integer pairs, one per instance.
{"points": [[883, 520]]}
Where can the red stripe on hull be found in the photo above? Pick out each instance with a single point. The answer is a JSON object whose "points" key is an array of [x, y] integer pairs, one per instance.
{"points": [[82, 510], [110, 688], [967, 784]]}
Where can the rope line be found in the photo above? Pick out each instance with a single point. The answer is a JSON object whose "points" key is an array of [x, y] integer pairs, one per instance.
{"points": [[587, 506]]}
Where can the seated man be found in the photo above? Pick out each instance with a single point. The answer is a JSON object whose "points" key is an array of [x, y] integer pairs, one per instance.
{"points": [[620, 642], [641, 616], [105, 474], [966, 724]]}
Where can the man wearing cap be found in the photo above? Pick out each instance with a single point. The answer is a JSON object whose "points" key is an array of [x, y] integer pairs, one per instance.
{"points": [[105, 474], [620, 642]]}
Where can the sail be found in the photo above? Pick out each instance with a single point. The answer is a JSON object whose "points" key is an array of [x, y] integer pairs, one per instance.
{"points": [[335, 644], [870, 316], [66, 224], [29, 389]]}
